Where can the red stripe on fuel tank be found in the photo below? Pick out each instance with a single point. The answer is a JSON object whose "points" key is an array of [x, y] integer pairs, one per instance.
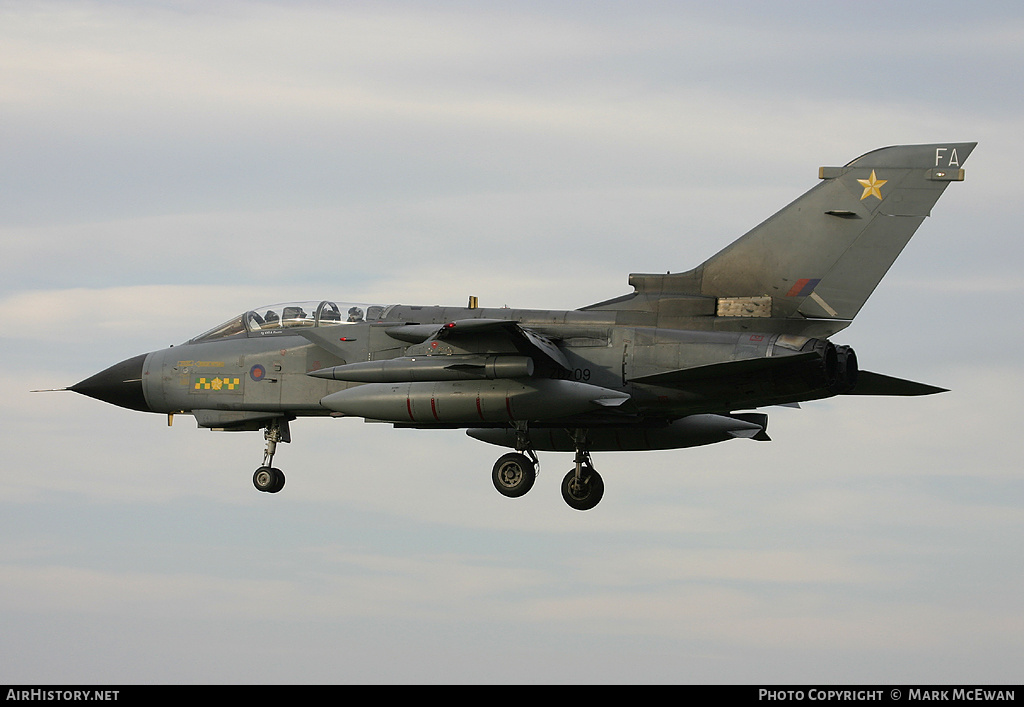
{"points": [[408, 406], [433, 408], [479, 410]]}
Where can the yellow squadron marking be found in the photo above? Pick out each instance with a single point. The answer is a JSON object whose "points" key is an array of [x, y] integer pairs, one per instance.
{"points": [[871, 186], [217, 384]]}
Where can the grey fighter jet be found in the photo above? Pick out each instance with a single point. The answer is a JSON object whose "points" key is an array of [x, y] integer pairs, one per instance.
{"points": [[683, 360]]}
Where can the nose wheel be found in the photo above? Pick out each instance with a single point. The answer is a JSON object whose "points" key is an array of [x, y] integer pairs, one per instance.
{"points": [[268, 478]]}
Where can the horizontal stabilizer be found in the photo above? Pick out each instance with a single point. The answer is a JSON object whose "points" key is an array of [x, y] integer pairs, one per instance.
{"points": [[869, 383]]}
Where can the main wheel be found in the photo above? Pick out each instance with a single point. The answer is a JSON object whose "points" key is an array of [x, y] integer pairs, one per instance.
{"points": [[268, 479], [585, 493], [513, 474]]}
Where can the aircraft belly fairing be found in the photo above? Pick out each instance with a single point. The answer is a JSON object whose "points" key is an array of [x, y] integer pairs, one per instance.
{"points": [[665, 367]]}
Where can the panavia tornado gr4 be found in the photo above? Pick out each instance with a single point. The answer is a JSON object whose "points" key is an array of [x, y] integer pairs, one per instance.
{"points": [[683, 360]]}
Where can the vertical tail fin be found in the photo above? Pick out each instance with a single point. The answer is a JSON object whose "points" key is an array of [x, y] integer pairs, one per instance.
{"points": [[823, 255]]}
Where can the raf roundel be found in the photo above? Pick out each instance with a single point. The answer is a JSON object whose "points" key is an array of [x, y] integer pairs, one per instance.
{"points": [[257, 372]]}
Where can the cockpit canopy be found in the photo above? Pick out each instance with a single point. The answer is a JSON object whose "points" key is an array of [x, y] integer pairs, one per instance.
{"points": [[293, 314]]}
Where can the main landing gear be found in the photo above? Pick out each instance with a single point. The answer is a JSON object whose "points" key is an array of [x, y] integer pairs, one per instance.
{"points": [[514, 473], [268, 478], [582, 487]]}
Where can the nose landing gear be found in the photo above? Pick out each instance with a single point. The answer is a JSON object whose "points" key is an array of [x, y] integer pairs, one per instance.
{"points": [[268, 478]]}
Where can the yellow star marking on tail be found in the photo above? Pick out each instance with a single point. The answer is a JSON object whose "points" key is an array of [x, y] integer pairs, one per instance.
{"points": [[871, 186]]}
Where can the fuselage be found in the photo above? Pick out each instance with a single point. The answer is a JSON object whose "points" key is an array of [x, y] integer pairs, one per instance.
{"points": [[245, 370]]}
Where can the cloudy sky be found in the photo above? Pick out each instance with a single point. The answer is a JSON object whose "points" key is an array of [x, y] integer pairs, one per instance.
{"points": [[166, 165]]}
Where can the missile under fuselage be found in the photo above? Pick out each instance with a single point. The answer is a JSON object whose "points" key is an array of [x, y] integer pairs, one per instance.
{"points": [[430, 368], [690, 431], [500, 400]]}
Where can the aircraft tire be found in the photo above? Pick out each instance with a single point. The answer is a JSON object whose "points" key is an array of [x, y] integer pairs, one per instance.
{"points": [[587, 493], [268, 480], [279, 480], [513, 474]]}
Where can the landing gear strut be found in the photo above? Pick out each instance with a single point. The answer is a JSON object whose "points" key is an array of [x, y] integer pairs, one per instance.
{"points": [[582, 487], [268, 478]]}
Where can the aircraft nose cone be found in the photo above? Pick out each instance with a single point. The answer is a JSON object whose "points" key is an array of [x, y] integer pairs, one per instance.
{"points": [[121, 385]]}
